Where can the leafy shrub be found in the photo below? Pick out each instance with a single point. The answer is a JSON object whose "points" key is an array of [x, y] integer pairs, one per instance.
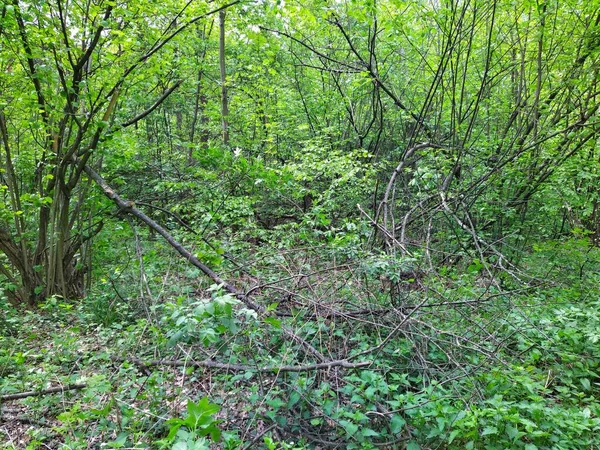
{"points": [[189, 432]]}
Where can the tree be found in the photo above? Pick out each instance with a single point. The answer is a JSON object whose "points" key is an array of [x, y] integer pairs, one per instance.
{"points": [[64, 75], [496, 128], [224, 106]]}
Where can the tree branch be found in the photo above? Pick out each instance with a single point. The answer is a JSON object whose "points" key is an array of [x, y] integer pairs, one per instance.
{"points": [[69, 387], [130, 208], [156, 104], [209, 363]]}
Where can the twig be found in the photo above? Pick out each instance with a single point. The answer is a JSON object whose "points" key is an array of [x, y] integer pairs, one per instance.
{"points": [[258, 436], [385, 231], [69, 387], [25, 420], [155, 105], [386, 207], [392, 334]]}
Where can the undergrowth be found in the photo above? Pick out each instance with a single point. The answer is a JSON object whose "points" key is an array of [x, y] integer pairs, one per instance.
{"points": [[436, 384]]}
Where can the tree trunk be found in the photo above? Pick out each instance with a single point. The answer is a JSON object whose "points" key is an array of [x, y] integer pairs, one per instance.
{"points": [[224, 106]]}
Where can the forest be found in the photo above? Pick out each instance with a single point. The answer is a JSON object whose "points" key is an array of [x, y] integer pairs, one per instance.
{"points": [[274, 224]]}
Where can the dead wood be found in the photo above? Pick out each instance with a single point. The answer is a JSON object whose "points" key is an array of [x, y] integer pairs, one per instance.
{"points": [[69, 387]]}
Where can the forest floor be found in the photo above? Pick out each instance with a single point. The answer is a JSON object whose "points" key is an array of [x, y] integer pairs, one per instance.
{"points": [[527, 377]]}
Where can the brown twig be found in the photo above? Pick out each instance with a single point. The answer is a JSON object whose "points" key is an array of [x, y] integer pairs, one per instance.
{"points": [[69, 387]]}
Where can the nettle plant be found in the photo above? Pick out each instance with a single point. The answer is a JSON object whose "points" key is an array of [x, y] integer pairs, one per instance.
{"points": [[207, 320], [191, 431]]}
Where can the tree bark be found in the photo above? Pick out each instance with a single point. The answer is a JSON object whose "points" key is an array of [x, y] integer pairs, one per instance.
{"points": [[224, 105]]}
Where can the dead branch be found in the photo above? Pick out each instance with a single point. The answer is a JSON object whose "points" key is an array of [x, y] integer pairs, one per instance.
{"points": [[388, 235], [130, 208], [69, 387], [209, 363], [385, 207], [392, 334]]}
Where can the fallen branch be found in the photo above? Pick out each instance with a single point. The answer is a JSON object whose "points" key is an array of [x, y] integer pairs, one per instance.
{"points": [[129, 207], [25, 421], [333, 314], [69, 387], [392, 334], [240, 367], [385, 231]]}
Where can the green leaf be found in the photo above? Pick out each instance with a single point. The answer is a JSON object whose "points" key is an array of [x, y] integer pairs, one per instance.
{"points": [[215, 434], [368, 432], [205, 407], [350, 428], [397, 423], [294, 398], [512, 432], [453, 436], [489, 430], [120, 441], [175, 424], [175, 338], [272, 321]]}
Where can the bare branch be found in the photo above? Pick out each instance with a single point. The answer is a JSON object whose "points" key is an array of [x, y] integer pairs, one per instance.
{"points": [[155, 105], [130, 208], [209, 363], [69, 387]]}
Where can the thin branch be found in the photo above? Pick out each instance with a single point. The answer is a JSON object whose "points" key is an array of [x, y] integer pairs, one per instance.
{"points": [[69, 387], [209, 363], [164, 42], [156, 104]]}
